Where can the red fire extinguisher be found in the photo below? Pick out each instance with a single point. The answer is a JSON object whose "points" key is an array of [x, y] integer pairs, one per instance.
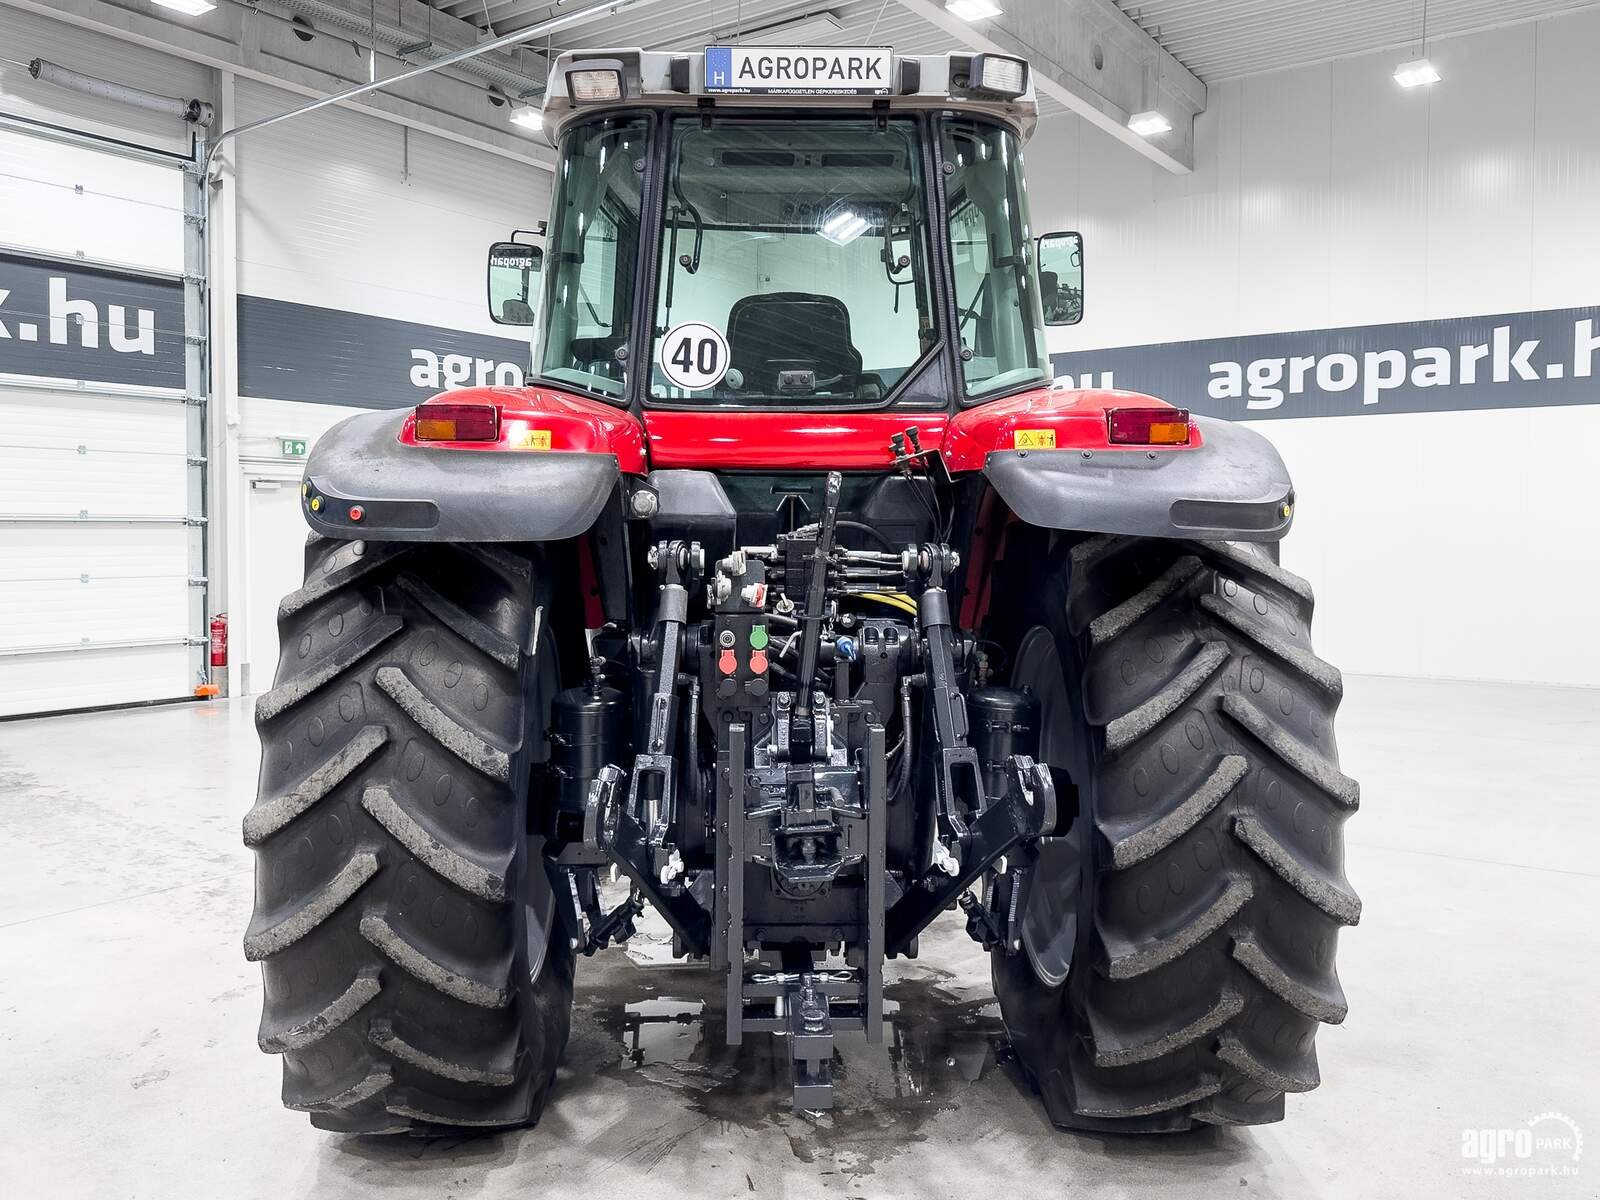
{"points": [[219, 640]]}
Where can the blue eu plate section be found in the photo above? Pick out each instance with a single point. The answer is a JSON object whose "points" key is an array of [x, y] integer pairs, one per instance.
{"points": [[719, 68]]}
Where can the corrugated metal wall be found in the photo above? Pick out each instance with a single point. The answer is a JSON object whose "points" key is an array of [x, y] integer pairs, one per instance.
{"points": [[1441, 544], [96, 486], [346, 211]]}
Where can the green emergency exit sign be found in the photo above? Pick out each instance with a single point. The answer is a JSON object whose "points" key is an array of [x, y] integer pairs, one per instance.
{"points": [[291, 447]]}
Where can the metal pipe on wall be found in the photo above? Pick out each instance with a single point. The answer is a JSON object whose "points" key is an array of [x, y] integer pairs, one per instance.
{"points": [[196, 112]]}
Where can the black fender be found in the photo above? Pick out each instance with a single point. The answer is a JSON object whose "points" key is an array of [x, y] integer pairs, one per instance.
{"points": [[1232, 487], [427, 494]]}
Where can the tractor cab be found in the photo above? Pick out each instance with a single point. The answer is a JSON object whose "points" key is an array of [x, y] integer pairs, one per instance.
{"points": [[766, 228]]}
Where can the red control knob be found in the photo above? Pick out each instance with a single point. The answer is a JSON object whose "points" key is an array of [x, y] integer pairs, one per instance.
{"points": [[758, 662], [727, 662]]}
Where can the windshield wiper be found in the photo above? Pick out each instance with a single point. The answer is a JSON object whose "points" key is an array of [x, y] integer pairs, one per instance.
{"points": [[672, 276], [690, 263], [583, 298], [971, 310]]}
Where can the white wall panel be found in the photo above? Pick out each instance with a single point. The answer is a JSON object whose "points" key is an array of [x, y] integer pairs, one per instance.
{"points": [[73, 201], [1566, 161], [114, 578], [342, 210], [94, 678], [1378, 191], [1454, 544], [104, 455], [263, 422], [1450, 545], [1479, 151], [1284, 198]]}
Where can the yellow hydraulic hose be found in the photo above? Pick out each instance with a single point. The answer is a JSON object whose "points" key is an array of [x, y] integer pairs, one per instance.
{"points": [[893, 599]]}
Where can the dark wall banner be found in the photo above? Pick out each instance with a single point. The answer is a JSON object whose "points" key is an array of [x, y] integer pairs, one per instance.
{"points": [[1514, 360], [63, 321], [327, 356]]}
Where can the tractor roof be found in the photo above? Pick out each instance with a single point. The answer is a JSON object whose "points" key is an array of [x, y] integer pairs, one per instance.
{"points": [[801, 79]]}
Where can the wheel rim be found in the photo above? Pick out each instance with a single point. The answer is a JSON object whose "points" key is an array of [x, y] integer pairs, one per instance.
{"points": [[1050, 923]]}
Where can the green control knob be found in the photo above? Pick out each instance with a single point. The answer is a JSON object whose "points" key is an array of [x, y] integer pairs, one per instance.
{"points": [[758, 637]]}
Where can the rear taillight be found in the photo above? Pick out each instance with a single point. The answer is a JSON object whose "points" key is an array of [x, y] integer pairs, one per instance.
{"points": [[1148, 426], [458, 423]]}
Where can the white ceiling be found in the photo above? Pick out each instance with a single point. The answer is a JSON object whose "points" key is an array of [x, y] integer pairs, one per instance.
{"points": [[693, 24], [1216, 39], [1223, 39]]}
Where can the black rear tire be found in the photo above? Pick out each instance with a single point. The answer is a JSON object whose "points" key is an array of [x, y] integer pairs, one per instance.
{"points": [[416, 976], [1181, 934]]}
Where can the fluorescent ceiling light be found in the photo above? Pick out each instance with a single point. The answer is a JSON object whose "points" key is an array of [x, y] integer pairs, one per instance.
{"points": [[818, 29], [973, 10], [1148, 124], [844, 227], [189, 8], [1415, 73], [528, 117]]}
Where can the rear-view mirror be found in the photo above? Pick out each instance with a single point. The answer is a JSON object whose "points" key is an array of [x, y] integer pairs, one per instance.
{"points": [[514, 282], [1061, 278]]}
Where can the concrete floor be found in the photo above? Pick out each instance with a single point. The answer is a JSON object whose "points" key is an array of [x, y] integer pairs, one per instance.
{"points": [[128, 1064]]}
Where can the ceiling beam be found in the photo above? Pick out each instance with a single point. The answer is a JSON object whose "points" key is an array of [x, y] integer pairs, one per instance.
{"points": [[254, 43], [416, 23], [1092, 58]]}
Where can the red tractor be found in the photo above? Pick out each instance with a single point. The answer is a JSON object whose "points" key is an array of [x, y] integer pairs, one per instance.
{"points": [[792, 589]]}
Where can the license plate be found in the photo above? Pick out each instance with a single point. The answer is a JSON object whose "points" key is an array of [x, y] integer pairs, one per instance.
{"points": [[799, 70]]}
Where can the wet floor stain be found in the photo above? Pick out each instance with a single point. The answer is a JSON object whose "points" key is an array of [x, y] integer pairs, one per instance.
{"points": [[663, 1030]]}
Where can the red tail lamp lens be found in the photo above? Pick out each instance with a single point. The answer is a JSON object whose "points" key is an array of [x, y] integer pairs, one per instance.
{"points": [[458, 423], [1148, 426]]}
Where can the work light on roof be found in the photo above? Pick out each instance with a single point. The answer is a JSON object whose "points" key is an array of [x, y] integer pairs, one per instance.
{"points": [[999, 75], [597, 81]]}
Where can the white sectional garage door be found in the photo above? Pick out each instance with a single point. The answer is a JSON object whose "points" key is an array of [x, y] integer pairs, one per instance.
{"points": [[101, 480]]}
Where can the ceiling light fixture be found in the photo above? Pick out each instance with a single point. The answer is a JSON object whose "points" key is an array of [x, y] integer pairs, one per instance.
{"points": [[1148, 124], [819, 29], [1419, 71], [189, 8], [974, 10], [1415, 73], [528, 117]]}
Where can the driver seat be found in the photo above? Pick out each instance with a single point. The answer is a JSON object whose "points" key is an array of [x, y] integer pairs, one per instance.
{"points": [[515, 312], [790, 331]]}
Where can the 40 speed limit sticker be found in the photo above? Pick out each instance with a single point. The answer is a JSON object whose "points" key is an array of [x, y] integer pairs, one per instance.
{"points": [[694, 356]]}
